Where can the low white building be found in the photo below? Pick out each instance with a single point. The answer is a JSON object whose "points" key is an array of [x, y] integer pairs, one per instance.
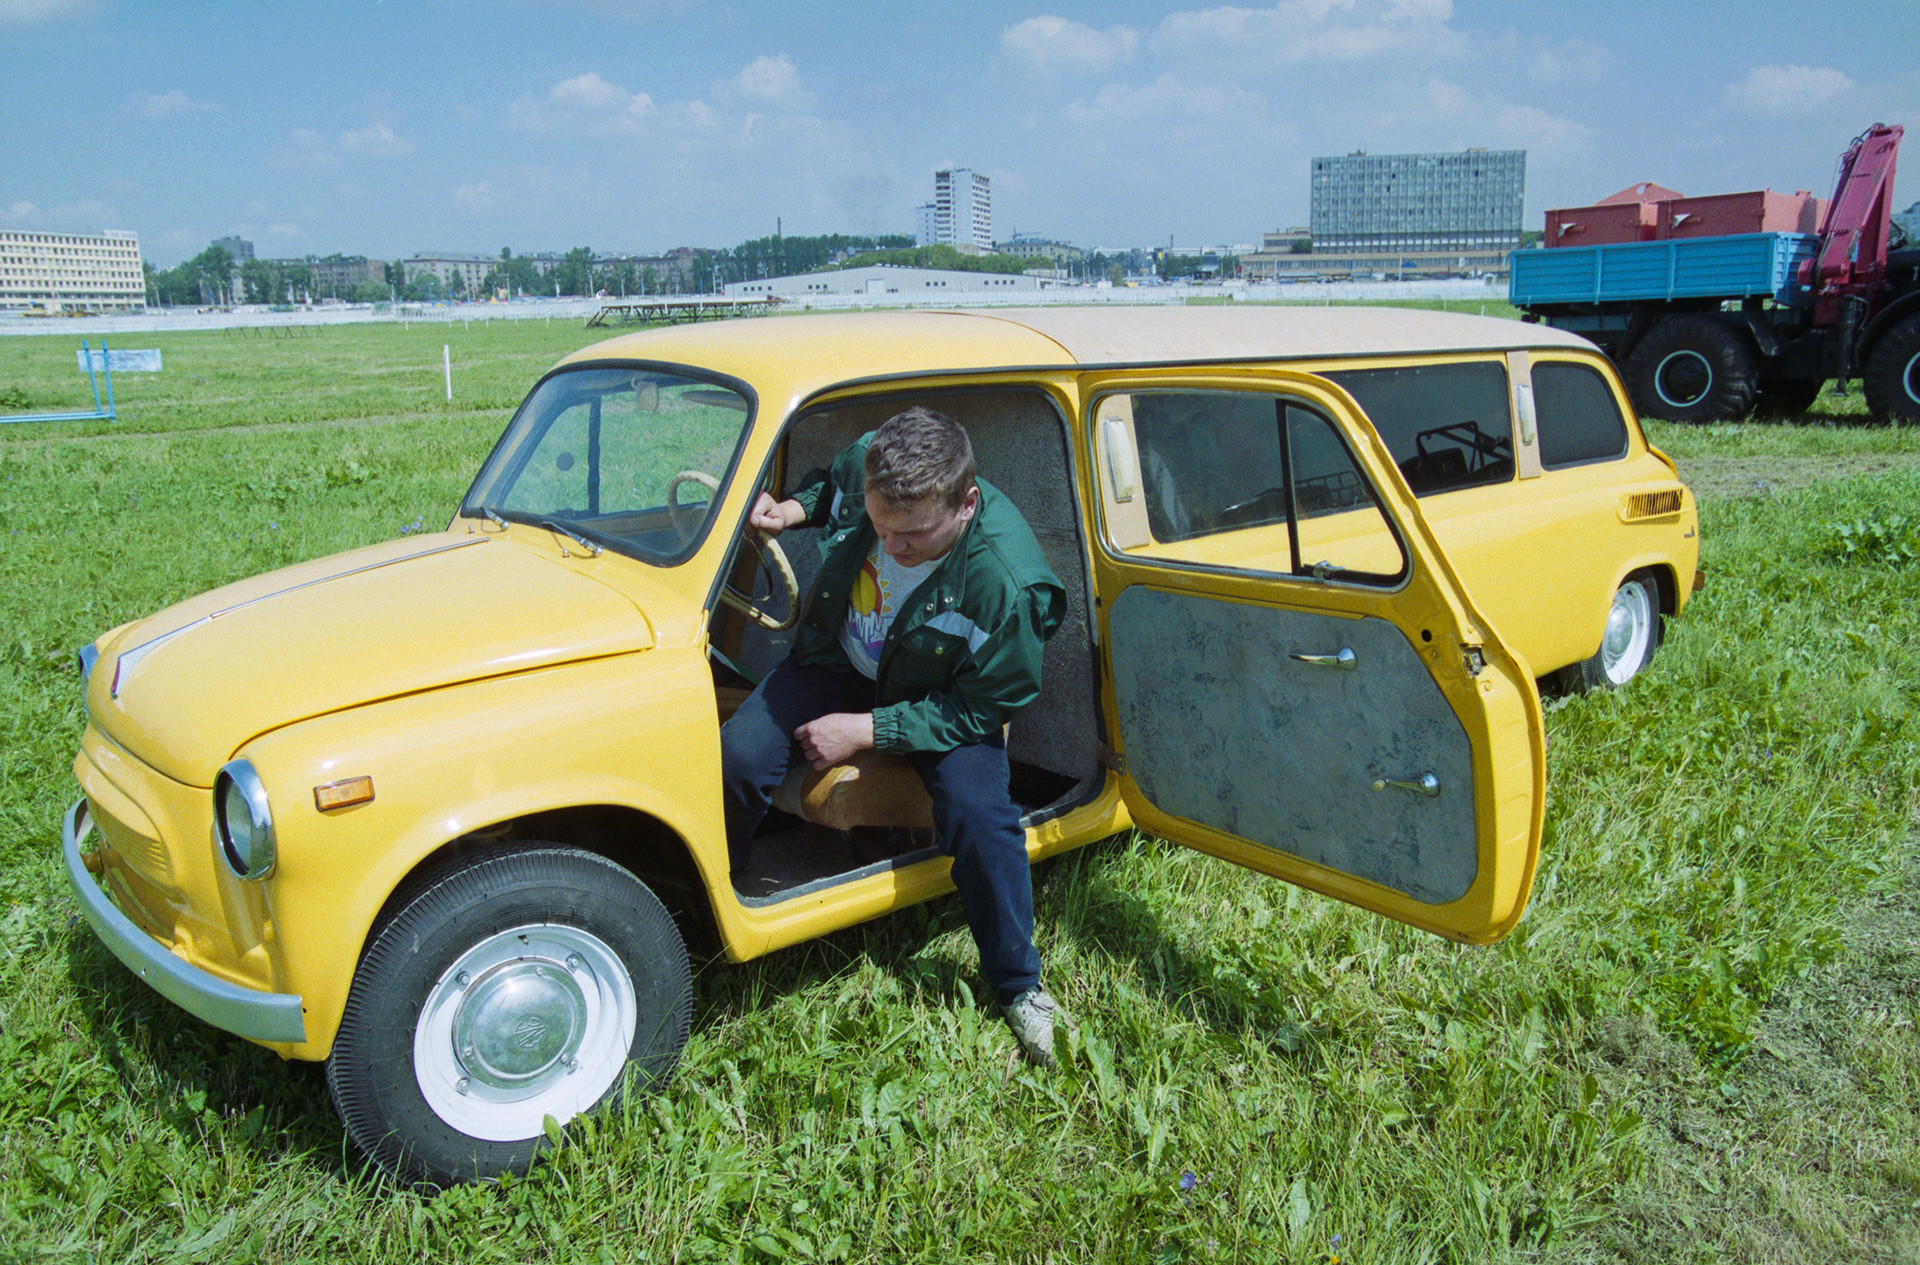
{"points": [[881, 280], [71, 272]]}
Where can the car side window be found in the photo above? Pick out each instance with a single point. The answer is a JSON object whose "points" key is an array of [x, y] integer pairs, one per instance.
{"points": [[1448, 426], [1251, 481], [1579, 419]]}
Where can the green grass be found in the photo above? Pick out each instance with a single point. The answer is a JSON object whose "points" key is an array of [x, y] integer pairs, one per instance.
{"points": [[1699, 1045]]}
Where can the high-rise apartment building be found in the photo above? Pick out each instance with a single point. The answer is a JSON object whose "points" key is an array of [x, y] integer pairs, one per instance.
{"points": [[1470, 200], [925, 229], [75, 272], [963, 209]]}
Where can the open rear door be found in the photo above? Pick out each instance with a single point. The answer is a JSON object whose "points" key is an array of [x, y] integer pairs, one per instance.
{"points": [[1296, 680]]}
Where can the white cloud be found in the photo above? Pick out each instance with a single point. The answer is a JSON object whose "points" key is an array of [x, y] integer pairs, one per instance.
{"points": [[374, 138], [1781, 91], [1054, 43], [478, 196], [1165, 98], [1295, 31], [22, 210], [285, 230], [167, 105], [1440, 114], [587, 100], [311, 148], [1576, 61], [588, 92], [37, 12], [769, 79], [1528, 127]]}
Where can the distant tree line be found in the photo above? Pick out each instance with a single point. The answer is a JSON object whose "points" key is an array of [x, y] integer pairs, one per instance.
{"points": [[1170, 266], [765, 257], [211, 278]]}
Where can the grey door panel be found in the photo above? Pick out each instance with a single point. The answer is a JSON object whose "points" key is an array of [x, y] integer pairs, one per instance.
{"points": [[1223, 727]]}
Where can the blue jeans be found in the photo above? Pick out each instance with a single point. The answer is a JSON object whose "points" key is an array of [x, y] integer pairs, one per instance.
{"points": [[973, 811]]}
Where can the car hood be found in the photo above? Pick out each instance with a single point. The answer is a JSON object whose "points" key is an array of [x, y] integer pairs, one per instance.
{"points": [[185, 688]]}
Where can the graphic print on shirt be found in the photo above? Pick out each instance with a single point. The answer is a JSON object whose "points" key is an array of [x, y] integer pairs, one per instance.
{"points": [[867, 609], [878, 591]]}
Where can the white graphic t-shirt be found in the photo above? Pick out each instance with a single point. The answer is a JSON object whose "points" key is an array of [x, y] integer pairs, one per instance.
{"points": [[882, 588]]}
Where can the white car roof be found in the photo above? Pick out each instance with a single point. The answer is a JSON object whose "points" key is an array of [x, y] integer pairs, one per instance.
{"points": [[1162, 335]]}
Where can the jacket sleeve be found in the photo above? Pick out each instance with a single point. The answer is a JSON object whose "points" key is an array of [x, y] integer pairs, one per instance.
{"points": [[1000, 676], [847, 476]]}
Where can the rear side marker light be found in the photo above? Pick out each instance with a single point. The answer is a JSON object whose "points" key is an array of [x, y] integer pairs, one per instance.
{"points": [[343, 794]]}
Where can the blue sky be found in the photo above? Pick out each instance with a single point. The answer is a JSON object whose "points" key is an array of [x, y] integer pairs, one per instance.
{"points": [[387, 128]]}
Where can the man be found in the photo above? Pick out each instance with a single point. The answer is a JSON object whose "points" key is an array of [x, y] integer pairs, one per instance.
{"points": [[923, 637]]}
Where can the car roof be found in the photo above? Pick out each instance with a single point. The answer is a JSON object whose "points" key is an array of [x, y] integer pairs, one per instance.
{"points": [[814, 351]]}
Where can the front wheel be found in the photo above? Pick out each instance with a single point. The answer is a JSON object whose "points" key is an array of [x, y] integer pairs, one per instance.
{"points": [[1892, 380], [515, 988], [1627, 643]]}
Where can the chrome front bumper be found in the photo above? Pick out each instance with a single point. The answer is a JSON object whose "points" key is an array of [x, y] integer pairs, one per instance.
{"points": [[274, 1017]]}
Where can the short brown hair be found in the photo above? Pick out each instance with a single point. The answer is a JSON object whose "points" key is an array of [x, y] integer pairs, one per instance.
{"points": [[920, 454]]}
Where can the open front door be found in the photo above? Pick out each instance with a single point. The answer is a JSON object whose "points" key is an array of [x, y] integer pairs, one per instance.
{"points": [[1296, 680]]}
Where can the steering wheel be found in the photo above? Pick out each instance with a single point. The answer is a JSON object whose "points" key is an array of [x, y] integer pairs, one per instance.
{"points": [[685, 523], [773, 560]]}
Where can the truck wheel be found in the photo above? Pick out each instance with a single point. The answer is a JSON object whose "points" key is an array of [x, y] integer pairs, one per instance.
{"points": [[1786, 397], [1627, 643], [1693, 369], [1892, 379], [518, 987]]}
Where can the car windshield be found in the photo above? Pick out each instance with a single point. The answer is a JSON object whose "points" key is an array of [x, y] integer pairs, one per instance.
{"points": [[633, 459]]}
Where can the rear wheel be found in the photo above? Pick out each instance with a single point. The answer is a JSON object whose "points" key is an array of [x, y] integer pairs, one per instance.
{"points": [[1693, 369], [1892, 380], [1632, 634], [517, 988]]}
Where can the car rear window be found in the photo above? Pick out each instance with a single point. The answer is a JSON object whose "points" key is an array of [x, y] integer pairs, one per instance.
{"points": [[1447, 426], [1578, 418]]}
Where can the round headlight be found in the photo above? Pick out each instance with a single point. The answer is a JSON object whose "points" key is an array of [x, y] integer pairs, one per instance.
{"points": [[244, 821]]}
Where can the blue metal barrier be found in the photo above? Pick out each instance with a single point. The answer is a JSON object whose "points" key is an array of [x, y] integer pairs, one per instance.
{"points": [[99, 414]]}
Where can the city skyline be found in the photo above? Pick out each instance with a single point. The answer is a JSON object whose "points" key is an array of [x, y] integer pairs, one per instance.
{"points": [[633, 126]]}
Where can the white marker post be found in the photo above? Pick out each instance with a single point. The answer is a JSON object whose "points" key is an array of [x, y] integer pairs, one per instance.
{"points": [[446, 367]]}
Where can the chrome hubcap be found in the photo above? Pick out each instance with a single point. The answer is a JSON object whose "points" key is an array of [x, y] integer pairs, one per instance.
{"points": [[532, 1022], [1623, 647], [1911, 378], [1683, 379], [519, 1022]]}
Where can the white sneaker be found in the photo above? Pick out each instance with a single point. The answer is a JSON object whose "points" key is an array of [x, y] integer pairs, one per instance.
{"points": [[1031, 1015]]}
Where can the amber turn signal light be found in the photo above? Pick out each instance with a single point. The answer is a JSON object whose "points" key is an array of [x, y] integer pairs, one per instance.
{"points": [[343, 794]]}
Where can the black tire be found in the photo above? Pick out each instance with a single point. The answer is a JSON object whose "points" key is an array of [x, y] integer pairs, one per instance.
{"points": [[1786, 398], [1693, 369], [555, 969], [1632, 633], [1892, 379]]}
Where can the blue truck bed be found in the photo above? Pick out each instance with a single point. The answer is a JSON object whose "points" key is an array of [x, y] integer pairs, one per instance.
{"points": [[1735, 267]]}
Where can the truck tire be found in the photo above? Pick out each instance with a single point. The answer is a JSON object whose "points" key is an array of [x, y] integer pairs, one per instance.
{"points": [[1693, 369], [1786, 398], [1892, 379]]}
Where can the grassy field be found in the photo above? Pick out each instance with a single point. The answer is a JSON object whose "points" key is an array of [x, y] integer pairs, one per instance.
{"points": [[1699, 1046]]}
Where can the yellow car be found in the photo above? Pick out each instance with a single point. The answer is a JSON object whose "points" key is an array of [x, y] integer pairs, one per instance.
{"points": [[446, 811]]}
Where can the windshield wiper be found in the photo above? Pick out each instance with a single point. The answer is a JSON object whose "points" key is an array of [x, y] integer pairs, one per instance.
{"points": [[498, 521], [570, 534]]}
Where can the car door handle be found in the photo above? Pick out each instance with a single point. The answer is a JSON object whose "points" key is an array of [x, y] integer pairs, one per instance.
{"points": [[1346, 660], [1426, 784]]}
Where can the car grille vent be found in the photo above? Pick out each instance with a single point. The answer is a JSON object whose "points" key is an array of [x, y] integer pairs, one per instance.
{"points": [[1652, 504]]}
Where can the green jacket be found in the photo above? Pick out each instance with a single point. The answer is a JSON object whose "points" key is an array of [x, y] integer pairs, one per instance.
{"points": [[963, 654]]}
